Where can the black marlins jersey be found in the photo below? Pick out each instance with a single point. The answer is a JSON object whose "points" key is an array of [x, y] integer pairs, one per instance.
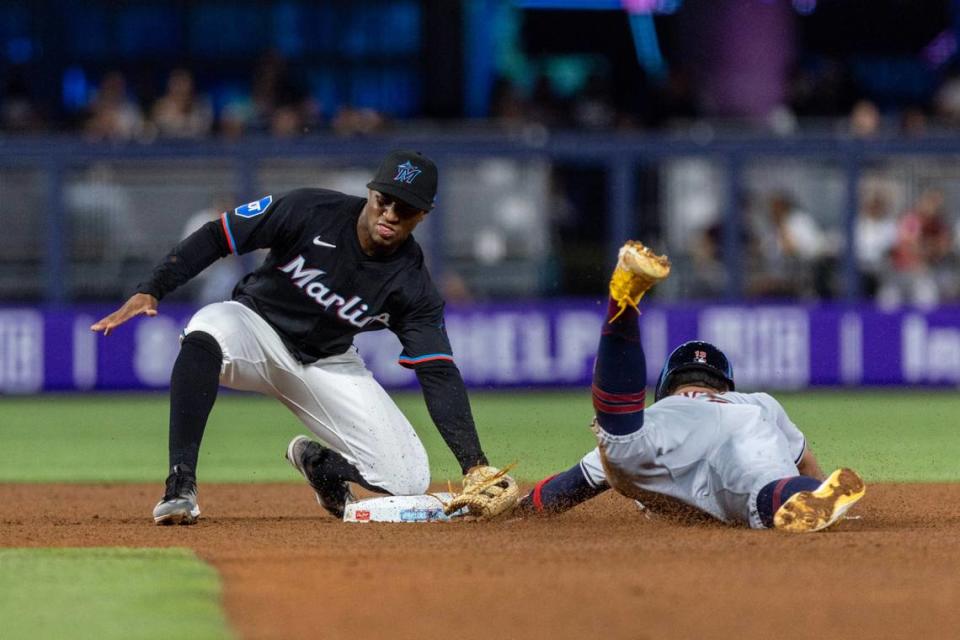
{"points": [[318, 289]]}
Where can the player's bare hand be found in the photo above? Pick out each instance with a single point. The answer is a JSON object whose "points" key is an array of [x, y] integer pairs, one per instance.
{"points": [[139, 304]]}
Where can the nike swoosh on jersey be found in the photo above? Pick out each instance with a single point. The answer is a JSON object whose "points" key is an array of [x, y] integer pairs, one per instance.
{"points": [[320, 243]]}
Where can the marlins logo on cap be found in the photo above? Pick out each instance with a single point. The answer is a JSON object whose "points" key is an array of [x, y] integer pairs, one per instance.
{"points": [[407, 172], [408, 176]]}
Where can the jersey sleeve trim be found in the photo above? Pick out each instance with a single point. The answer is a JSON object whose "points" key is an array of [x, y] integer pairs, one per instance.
{"points": [[586, 476], [803, 450], [430, 357], [229, 234]]}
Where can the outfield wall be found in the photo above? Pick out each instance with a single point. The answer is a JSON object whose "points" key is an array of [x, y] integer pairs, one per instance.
{"points": [[528, 345]]}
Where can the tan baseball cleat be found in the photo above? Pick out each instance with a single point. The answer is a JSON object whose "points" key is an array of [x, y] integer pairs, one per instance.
{"points": [[809, 511], [638, 269]]}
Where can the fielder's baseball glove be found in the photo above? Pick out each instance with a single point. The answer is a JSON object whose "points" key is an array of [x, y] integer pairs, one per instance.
{"points": [[487, 493]]}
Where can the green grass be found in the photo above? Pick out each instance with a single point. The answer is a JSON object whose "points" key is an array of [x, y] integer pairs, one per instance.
{"points": [[129, 593], [108, 593], [888, 435], [897, 436]]}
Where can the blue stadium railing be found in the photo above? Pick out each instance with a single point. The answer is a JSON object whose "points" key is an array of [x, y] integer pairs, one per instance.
{"points": [[619, 153]]}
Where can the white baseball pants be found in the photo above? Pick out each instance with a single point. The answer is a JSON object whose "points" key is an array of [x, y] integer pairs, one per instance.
{"points": [[336, 398]]}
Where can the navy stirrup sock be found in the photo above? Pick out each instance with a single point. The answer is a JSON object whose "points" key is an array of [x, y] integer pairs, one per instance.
{"points": [[620, 375], [193, 390], [626, 327], [775, 493]]}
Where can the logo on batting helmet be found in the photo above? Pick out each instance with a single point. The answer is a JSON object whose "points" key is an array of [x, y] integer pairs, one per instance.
{"points": [[695, 354]]}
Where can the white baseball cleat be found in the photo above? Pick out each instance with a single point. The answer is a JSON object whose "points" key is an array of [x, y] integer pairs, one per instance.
{"points": [[808, 511], [179, 502]]}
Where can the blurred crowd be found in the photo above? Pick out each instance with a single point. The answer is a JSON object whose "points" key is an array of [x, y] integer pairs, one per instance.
{"points": [[911, 257], [815, 103], [907, 246], [907, 257], [276, 102]]}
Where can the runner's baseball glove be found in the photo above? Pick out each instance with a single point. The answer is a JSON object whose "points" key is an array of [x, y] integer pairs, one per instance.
{"points": [[487, 493]]}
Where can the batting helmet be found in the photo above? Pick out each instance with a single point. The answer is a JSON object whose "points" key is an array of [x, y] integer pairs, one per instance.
{"points": [[694, 355]]}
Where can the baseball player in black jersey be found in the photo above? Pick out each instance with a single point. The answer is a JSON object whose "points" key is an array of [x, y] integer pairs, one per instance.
{"points": [[337, 265]]}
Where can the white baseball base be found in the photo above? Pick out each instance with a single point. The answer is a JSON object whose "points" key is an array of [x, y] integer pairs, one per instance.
{"points": [[425, 508]]}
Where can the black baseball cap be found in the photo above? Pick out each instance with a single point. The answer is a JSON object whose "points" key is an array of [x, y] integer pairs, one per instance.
{"points": [[409, 176]]}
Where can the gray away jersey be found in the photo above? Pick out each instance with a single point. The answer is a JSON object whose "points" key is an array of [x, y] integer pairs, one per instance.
{"points": [[711, 451]]}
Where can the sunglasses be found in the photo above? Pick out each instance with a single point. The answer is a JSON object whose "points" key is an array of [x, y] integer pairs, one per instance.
{"points": [[401, 208]]}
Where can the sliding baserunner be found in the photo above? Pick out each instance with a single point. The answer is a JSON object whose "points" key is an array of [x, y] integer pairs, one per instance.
{"points": [[702, 446]]}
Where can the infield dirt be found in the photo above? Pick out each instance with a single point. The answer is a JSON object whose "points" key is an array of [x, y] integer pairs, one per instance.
{"points": [[602, 570]]}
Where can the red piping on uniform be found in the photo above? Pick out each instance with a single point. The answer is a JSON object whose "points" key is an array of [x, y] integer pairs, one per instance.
{"points": [[537, 497], [433, 359], [777, 492], [619, 397], [606, 407], [226, 232]]}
